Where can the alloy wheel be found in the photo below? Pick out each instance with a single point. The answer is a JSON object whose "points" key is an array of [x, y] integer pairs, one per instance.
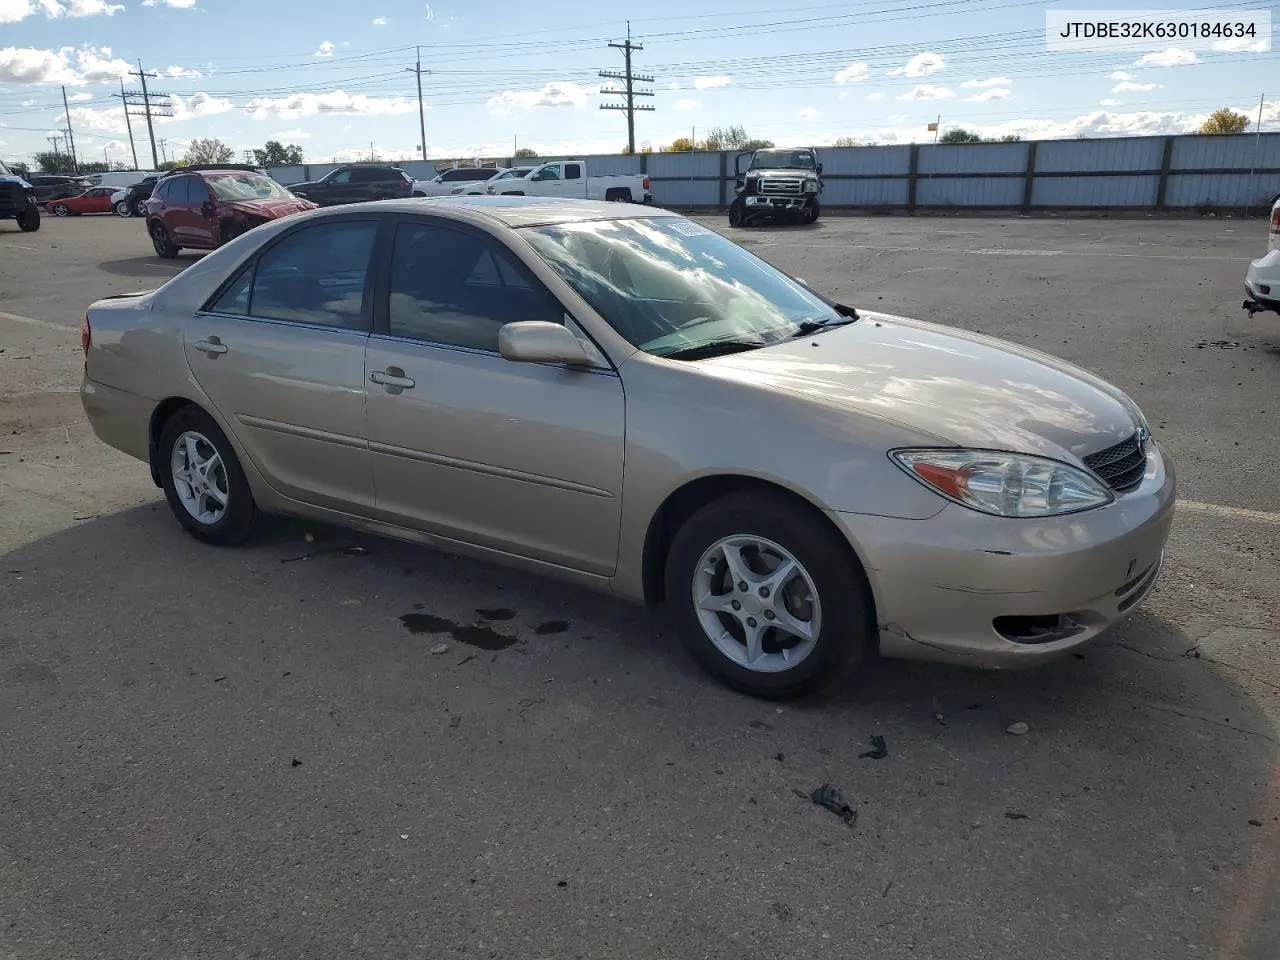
{"points": [[199, 477]]}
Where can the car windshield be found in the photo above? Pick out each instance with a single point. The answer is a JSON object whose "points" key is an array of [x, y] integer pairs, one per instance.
{"points": [[246, 186], [670, 285], [5, 171], [782, 159]]}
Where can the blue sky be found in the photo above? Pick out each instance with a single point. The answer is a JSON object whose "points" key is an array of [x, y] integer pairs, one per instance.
{"points": [[330, 75]]}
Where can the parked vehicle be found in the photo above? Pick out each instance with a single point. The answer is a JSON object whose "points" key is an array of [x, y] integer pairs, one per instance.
{"points": [[450, 181], [568, 179], [479, 189], [93, 200], [774, 184], [626, 399], [55, 187], [130, 202], [1262, 280], [356, 183], [18, 201], [203, 209]]}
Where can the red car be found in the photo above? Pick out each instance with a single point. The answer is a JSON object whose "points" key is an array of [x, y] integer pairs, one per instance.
{"points": [[203, 209], [93, 200]]}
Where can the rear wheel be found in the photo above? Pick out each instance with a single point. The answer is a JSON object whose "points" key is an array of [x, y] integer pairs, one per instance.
{"points": [[162, 241], [29, 219], [737, 213], [61, 210], [618, 195], [140, 207], [203, 481], [768, 598], [123, 209]]}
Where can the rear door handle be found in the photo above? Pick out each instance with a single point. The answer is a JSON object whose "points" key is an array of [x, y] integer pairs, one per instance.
{"points": [[393, 378], [213, 346]]}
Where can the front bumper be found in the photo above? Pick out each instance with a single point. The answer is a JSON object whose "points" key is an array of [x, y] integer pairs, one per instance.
{"points": [[1262, 283], [762, 204], [963, 587]]}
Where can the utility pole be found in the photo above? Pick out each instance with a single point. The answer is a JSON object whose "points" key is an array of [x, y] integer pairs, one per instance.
{"points": [[128, 125], [54, 141], [153, 105], [1257, 143], [75, 164], [629, 93], [163, 152], [422, 117]]}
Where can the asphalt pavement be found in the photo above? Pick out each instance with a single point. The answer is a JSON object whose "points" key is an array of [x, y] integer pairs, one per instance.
{"points": [[255, 752]]}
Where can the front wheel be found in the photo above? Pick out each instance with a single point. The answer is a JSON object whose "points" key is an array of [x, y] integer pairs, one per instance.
{"points": [[163, 243], [29, 219], [123, 209], [812, 212], [140, 208], [203, 481], [61, 210], [737, 213], [768, 597]]}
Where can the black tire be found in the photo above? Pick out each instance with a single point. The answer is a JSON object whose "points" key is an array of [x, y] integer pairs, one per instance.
{"points": [[61, 210], [239, 520], [812, 213], [29, 219], [513, 193], [847, 631], [162, 241], [618, 195], [140, 207], [123, 209], [737, 213]]}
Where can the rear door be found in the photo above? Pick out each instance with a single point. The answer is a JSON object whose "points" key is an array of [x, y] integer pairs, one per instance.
{"points": [[575, 181], [525, 458], [180, 217], [203, 214], [280, 354]]}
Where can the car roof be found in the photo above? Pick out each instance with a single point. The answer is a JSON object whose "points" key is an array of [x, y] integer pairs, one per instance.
{"points": [[510, 210]]}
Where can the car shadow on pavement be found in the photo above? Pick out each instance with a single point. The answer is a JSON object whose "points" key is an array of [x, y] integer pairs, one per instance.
{"points": [[203, 722], [150, 268]]}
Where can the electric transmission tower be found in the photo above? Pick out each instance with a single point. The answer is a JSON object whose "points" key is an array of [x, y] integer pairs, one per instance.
{"points": [[147, 103]]}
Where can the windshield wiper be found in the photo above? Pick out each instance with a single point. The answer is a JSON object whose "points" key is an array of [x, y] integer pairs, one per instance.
{"points": [[806, 327], [716, 348]]}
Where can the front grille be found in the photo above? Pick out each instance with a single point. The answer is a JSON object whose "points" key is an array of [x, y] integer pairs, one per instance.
{"points": [[781, 186], [1121, 466], [13, 199]]}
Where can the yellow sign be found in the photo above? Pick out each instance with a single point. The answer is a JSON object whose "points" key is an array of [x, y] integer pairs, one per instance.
{"points": [[933, 127]]}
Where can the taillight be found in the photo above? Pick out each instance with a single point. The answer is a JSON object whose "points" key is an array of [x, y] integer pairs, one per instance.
{"points": [[646, 183], [1275, 220], [86, 336]]}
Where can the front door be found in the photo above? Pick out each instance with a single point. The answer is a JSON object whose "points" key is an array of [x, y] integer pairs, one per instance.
{"points": [[547, 182], [182, 219], [520, 457], [280, 355]]}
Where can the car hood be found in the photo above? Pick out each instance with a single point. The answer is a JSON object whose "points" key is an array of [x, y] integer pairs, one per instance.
{"points": [[780, 172], [302, 186], [271, 209], [963, 388], [18, 180]]}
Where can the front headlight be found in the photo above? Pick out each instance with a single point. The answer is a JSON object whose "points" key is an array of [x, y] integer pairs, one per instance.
{"points": [[1004, 484], [811, 186]]}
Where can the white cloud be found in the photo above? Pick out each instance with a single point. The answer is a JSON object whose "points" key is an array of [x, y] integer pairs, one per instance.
{"points": [[853, 73], [927, 91], [92, 8], [199, 105], [1124, 86], [182, 72], [176, 4], [921, 65], [333, 102], [1233, 45], [1122, 75], [65, 66], [685, 103], [431, 14], [673, 85], [989, 82], [808, 113], [706, 83], [325, 49], [379, 21], [1109, 102], [875, 96], [74, 98], [995, 93], [97, 64], [297, 133], [1173, 57], [557, 93], [13, 11]]}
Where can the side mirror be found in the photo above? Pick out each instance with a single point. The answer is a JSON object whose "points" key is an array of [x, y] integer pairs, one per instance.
{"points": [[737, 163], [819, 168], [538, 341]]}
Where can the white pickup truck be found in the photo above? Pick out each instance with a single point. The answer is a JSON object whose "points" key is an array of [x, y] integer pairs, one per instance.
{"points": [[568, 178]]}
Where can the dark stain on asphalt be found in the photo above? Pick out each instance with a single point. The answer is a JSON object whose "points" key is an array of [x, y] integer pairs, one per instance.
{"points": [[478, 635], [496, 613], [551, 626]]}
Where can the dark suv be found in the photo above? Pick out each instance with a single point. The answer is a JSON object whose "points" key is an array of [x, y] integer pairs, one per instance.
{"points": [[18, 201], [49, 187], [201, 209], [356, 183], [136, 196]]}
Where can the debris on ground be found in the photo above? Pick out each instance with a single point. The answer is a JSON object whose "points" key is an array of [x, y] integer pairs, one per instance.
{"points": [[759, 725], [878, 750], [1015, 815], [439, 648], [295, 762], [1018, 729], [1255, 823], [831, 798], [455, 722]]}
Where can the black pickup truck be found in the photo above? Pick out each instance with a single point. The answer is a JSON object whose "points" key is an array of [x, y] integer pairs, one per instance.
{"points": [[18, 201], [777, 184]]}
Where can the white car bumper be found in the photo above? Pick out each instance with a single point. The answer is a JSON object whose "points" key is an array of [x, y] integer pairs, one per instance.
{"points": [[1262, 282]]}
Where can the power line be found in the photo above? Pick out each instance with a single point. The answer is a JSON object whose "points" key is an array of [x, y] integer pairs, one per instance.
{"points": [[153, 104], [630, 92]]}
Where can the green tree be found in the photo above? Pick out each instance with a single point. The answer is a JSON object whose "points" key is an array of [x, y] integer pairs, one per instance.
{"points": [[208, 150], [55, 161], [168, 165], [275, 154], [526, 153], [734, 138], [1225, 121], [679, 145], [845, 142], [959, 135], [1007, 138]]}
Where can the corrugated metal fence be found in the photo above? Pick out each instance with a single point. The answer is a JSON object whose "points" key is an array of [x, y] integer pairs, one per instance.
{"points": [[1184, 173]]}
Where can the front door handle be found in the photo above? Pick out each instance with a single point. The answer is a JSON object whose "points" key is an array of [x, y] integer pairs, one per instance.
{"points": [[393, 379], [213, 346]]}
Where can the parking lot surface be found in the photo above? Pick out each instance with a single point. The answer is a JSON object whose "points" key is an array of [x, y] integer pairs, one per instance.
{"points": [[246, 753]]}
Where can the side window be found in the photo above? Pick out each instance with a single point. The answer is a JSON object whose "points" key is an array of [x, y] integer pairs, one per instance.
{"points": [[342, 176], [481, 173], [197, 192], [367, 175], [235, 299], [178, 190], [547, 173], [573, 171], [161, 191], [316, 275], [449, 176], [459, 288]]}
